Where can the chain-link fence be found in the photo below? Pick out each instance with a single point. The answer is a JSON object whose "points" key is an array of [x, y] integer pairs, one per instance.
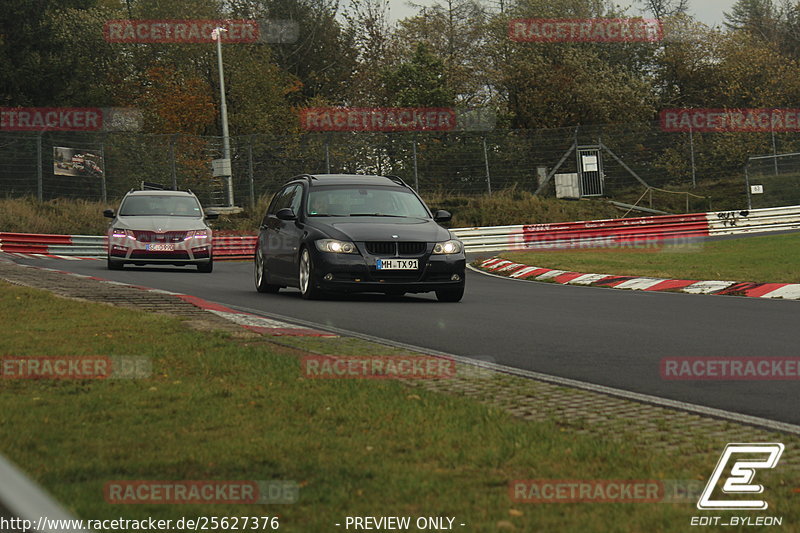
{"points": [[773, 180], [453, 163]]}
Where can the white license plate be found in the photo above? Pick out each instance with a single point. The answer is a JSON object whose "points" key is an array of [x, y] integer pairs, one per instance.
{"points": [[160, 247], [397, 264]]}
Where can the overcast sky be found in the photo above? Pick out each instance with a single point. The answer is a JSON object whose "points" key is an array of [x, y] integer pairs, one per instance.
{"points": [[707, 11]]}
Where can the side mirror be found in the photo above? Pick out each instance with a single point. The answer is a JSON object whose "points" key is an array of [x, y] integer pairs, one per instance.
{"points": [[286, 214], [108, 213], [212, 215], [442, 216]]}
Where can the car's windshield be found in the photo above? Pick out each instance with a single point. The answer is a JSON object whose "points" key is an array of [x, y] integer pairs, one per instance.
{"points": [[160, 205], [365, 201]]}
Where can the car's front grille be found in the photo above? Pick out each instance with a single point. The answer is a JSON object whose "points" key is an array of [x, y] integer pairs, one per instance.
{"points": [[143, 254], [395, 249], [152, 236]]}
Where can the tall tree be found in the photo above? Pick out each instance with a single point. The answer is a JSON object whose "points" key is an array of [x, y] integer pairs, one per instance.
{"points": [[455, 31], [418, 82], [662, 9], [36, 71]]}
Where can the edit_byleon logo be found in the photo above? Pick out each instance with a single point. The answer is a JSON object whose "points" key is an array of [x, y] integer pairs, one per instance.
{"points": [[739, 464]]}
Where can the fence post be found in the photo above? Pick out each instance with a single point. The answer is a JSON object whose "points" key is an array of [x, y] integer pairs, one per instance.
{"points": [[486, 161], [747, 186], [327, 155], [416, 175], [250, 173], [103, 191], [691, 148], [774, 152], [39, 188], [172, 168]]}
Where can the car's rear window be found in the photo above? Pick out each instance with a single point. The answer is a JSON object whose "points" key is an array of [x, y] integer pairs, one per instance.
{"points": [[160, 205], [365, 201]]}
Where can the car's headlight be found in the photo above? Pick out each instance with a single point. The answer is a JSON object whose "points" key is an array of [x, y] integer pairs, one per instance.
{"points": [[197, 234], [448, 247], [336, 247], [119, 232]]}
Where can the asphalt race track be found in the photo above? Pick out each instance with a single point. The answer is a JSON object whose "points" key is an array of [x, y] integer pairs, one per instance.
{"points": [[601, 336]]}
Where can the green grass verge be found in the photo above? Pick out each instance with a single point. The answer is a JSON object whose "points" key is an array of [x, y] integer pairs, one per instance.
{"points": [[223, 408], [766, 259]]}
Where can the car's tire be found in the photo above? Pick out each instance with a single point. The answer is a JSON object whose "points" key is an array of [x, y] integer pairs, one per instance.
{"points": [[305, 277], [261, 275], [114, 265], [450, 295], [206, 268]]}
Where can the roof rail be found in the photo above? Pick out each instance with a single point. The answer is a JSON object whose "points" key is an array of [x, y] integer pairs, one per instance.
{"points": [[308, 177], [398, 180]]}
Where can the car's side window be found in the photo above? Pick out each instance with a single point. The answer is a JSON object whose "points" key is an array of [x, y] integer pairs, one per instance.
{"points": [[297, 198], [281, 200]]}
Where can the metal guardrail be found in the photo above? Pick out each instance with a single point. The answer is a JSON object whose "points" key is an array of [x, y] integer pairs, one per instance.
{"points": [[754, 221], [629, 231], [225, 247], [600, 233], [23, 499]]}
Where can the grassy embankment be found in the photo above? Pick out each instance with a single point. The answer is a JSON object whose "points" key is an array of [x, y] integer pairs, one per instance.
{"points": [[765, 259], [218, 407]]}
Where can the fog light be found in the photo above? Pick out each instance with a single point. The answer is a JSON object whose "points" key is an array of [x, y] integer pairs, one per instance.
{"points": [[455, 277], [328, 277]]}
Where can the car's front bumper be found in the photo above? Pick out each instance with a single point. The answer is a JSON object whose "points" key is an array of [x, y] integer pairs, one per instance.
{"points": [[192, 251], [359, 273]]}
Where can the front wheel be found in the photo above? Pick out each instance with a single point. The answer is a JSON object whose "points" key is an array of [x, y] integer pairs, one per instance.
{"points": [[305, 276], [261, 275], [114, 265], [450, 295]]}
